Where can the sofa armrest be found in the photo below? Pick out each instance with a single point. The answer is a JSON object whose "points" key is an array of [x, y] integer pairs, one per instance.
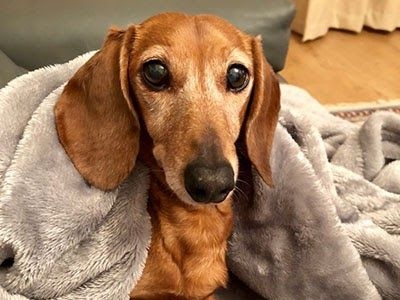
{"points": [[8, 69]]}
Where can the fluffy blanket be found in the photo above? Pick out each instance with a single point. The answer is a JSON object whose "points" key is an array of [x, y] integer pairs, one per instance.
{"points": [[329, 229]]}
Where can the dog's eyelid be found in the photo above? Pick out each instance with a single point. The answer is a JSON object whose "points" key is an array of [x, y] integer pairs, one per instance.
{"points": [[238, 62], [158, 58]]}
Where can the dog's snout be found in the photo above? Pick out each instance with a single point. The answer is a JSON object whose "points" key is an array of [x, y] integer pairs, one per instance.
{"points": [[206, 184]]}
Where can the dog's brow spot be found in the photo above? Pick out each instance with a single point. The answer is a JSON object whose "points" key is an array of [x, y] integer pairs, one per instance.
{"points": [[156, 51], [239, 56]]}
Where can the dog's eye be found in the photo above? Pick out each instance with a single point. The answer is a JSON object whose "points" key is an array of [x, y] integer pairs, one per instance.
{"points": [[155, 74], [237, 77]]}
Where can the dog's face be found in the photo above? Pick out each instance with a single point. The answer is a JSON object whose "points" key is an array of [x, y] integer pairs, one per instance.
{"points": [[196, 82], [192, 84]]}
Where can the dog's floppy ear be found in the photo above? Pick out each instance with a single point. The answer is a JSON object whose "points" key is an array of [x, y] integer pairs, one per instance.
{"points": [[95, 119], [262, 113]]}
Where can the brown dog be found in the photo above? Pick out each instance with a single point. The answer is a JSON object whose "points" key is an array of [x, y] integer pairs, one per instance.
{"points": [[194, 99]]}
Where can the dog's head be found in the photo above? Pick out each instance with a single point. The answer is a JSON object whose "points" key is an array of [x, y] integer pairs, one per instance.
{"points": [[196, 83]]}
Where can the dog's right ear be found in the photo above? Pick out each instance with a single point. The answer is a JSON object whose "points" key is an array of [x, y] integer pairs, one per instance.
{"points": [[95, 118]]}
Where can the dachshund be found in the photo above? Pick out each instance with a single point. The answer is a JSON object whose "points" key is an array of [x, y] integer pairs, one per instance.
{"points": [[194, 99]]}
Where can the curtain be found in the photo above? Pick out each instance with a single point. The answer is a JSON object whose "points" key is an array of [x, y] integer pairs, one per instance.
{"points": [[315, 17]]}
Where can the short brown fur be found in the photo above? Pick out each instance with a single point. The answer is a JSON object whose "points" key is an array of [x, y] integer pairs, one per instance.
{"points": [[107, 118]]}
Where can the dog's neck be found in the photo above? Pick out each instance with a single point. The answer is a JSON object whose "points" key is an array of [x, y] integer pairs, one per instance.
{"points": [[185, 236]]}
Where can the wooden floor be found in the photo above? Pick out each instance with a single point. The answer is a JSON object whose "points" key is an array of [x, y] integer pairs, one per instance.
{"points": [[346, 67]]}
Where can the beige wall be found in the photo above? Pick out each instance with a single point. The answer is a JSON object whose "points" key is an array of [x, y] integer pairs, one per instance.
{"points": [[315, 17]]}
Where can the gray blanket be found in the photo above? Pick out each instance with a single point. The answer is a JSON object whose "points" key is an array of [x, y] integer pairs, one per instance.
{"points": [[329, 229]]}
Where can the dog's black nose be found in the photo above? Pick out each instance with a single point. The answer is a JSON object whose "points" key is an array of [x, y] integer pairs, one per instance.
{"points": [[206, 183]]}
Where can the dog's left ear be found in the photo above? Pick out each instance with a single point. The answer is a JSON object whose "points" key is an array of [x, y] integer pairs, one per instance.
{"points": [[262, 113]]}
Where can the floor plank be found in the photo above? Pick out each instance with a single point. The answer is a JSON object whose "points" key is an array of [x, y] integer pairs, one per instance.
{"points": [[346, 67]]}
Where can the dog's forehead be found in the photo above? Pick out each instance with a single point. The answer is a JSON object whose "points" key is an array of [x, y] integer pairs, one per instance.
{"points": [[191, 34]]}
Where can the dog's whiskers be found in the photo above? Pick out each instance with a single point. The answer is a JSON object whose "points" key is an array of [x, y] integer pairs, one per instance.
{"points": [[241, 192], [243, 181]]}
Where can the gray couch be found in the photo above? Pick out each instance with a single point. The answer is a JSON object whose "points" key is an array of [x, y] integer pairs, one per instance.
{"points": [[36, 33]]}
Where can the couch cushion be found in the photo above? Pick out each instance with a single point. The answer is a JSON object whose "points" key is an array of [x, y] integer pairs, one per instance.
{"points": [[38, 33], [8, 70]]}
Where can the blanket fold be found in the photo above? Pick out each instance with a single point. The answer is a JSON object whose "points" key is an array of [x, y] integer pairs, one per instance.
{"points": [[68, 240], [329, 229]]}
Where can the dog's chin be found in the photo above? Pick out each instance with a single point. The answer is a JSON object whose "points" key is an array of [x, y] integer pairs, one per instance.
{"points": [[188, 200]]}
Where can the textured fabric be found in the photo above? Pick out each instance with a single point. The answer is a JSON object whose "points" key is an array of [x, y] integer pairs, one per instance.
{"points": [[328, 229], [315, 17], [68, 240]]}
